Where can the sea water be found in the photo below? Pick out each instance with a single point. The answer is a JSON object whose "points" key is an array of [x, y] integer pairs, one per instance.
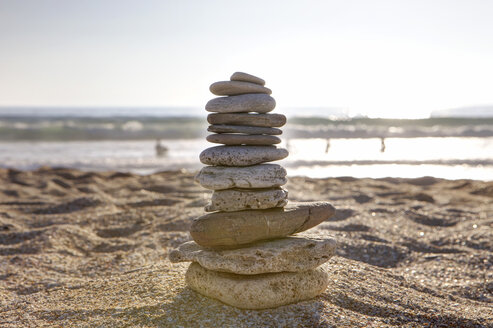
{"points": [[451, 158], [451, 148]]}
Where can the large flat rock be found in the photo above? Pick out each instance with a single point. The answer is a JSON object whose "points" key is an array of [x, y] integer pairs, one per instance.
{"points": [[235, 229], [257, 292], [255, 176], [262, 120], [230, 200], [241, 155], [223, 128], [291, 254], [233, 88], [256, 102]]}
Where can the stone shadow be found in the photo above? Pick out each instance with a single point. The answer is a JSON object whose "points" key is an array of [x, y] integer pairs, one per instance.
{"points": [[190, 309]]}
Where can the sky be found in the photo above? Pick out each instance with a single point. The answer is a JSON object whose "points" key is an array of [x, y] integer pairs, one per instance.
{"points": [[377, 58]]}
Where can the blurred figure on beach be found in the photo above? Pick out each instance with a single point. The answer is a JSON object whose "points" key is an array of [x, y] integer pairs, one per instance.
{"points": [[160, 149], [327, 146], [382, 144]]}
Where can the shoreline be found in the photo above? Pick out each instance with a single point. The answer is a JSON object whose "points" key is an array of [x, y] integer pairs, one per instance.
{"points": [[90, 248]]}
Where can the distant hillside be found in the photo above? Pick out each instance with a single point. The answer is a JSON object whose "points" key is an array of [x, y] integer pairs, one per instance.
{"points": [[471, 111]]}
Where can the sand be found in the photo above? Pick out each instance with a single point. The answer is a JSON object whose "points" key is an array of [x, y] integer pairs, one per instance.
{"points": [[82, 249]]}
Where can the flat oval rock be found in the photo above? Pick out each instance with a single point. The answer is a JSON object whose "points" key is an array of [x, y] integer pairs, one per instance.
{"points": [[263, 120], [291, 254], [230, 200], [234, 229], [256, 102], [241, 155], [260, 291], [245, 77], [221, 128], [243, 139], [255, 176], [233, 88]]}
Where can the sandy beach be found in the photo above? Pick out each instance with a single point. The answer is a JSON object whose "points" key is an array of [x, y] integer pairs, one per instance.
{"points": [[334, 152], [81, 249]]}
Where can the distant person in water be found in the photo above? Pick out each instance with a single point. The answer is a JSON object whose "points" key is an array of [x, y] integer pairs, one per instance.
{"points": [[160, 149], [327, 146], [382, 144]]}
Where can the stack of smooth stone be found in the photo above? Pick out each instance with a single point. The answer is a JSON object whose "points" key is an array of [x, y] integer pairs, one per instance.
{"points": [[243, 253]]}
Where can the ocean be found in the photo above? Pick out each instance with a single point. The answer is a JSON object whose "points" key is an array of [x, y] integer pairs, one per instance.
{"points": [[124, 139]]}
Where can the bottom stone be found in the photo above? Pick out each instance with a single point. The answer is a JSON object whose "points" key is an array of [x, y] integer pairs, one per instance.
{"points": [[260, 291]]}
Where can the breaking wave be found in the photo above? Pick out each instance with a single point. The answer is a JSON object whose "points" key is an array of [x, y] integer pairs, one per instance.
{"points": [[73, 128]]}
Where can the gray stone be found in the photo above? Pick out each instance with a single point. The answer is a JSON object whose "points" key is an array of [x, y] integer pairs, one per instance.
{"points": [[256, 102], [291, 254], [230, 200], [240, 76], [234, 88], [264, 120], [256, 176], [241, 155], [221, 128], [260, 291], [243, 139], [235, 229]]}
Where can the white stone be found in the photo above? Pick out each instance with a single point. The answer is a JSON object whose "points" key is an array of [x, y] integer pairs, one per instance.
{"points": [[291, 254], [241, 155], [262, 291], [256, 176], [230, 200]]}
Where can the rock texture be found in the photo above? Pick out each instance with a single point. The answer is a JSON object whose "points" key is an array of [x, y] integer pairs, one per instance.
{"points": [[240, 199], [256, 176], [242, 254], [257, 291], [245, 77], [257, 102], [222, 128], [291, 254], [263, 120], [235, 229], [233, 88], [241, 155], [243, 139]]}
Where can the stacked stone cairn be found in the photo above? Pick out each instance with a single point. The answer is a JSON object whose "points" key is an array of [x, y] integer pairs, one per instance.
{"points": [[243, 252]]}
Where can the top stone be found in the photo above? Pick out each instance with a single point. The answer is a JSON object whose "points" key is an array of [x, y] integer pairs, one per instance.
{"points": [[244, 77], [233, 88]]}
